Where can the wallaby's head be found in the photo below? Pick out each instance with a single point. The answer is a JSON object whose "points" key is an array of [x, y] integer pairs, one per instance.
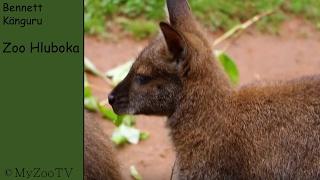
{"points": [[159, 74]]}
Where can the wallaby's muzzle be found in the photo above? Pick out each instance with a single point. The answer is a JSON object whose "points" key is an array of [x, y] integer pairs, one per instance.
{"points": [[119, 97], [111, 99]]}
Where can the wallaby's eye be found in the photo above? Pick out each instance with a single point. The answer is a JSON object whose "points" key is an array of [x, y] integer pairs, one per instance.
{"points": [[142, 79]]}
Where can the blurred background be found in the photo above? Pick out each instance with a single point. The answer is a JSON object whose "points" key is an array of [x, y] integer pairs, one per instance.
{"points": [[257, 40]]}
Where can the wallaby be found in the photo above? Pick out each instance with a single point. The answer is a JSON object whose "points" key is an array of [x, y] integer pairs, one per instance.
{"points": [[99, 159], [259, 131]]}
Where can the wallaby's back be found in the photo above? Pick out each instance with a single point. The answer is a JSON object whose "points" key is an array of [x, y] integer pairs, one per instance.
{"points": [[99, 159]]}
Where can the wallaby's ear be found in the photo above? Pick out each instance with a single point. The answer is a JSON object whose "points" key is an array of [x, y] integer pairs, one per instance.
{"points": [[179, 13], [174, 40]]}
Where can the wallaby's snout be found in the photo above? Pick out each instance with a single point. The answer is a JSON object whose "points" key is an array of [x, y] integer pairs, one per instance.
{"points": [[111, 98], [119, 98]]}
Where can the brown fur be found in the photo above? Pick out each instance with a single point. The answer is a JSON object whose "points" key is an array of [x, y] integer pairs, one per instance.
{"points": [[260, 131], [99, 159]]}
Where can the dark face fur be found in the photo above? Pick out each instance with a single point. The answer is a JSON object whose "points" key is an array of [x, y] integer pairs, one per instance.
{"points": [[154, 83]]}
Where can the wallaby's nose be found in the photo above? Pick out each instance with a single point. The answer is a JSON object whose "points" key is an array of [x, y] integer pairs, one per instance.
{"points": [[111, 99]]}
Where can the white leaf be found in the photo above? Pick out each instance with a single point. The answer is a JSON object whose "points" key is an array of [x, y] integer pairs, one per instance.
{"points": [[89, 66], [132, 134], [119, 73]]}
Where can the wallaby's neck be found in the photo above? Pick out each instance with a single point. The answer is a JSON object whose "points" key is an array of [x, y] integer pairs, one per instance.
{"points": [[200, 104]]}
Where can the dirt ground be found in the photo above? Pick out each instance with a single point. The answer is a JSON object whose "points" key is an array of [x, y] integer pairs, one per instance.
{"points": [[293, 53]]}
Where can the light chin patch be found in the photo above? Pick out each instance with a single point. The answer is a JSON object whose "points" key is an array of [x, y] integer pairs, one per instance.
{"points": [[131, 111]]}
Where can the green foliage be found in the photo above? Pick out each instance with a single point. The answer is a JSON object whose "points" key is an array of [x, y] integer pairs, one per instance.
{"points": [[134, 173], [94, 16], [272, 23], [229, 66], [90, 101], [124, 133], [97, 12], [127, 134], [216, 14], [144, 135], [126, 120], [224, 14], [108, 113], [140, 29], [135, 8], [308, 8]]}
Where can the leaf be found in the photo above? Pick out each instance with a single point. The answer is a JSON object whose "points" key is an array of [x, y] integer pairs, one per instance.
{"points": [[108, 113], [118, 138], [127, 120], [87, 91], [90, 67], [229, 66], [132, 135], [119, 73], [91, 103], [134, 173], [144, 136], [118, 121]]}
